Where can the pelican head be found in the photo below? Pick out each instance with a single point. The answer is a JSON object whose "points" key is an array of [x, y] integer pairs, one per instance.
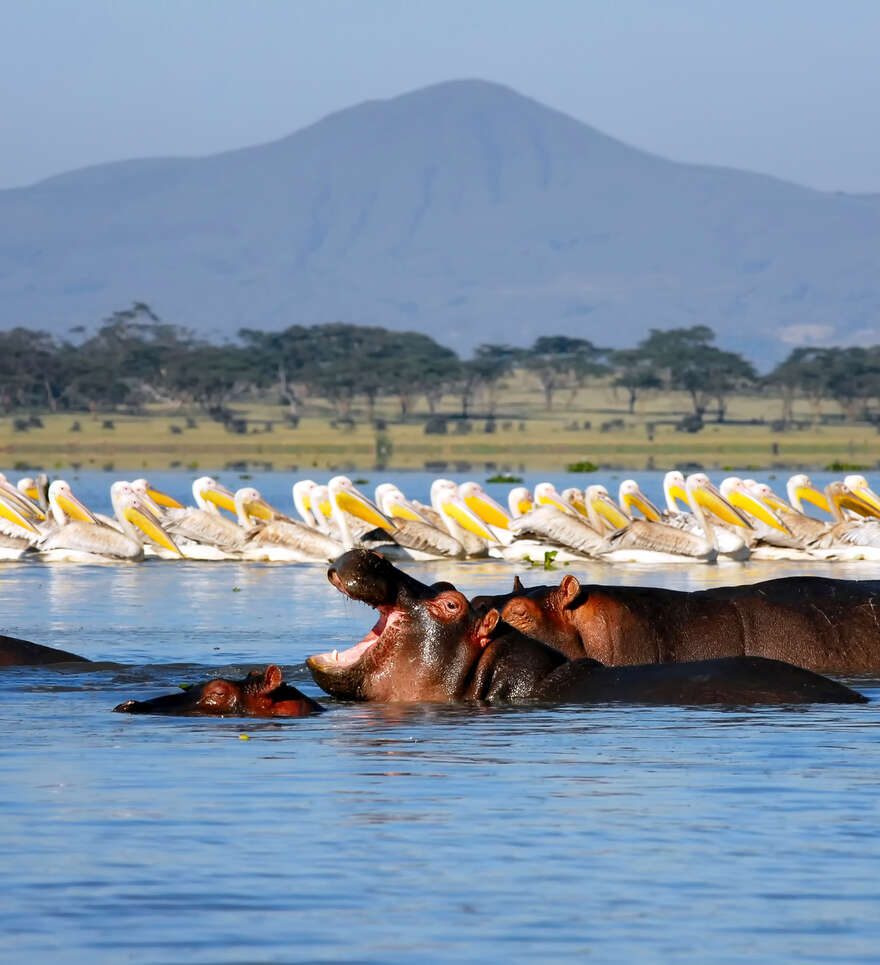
{"points": [[477, 499], [546, 495], [446, 500], [250, 503], [302, 500], [143, 488], [699, 487], [859, 486], [346, 498], [520, 501], [394, 504], [674, 491], [133, 513], [209, 494], [800, 489], [630, 496], [64, 504], [600, 504], [737, 493]]}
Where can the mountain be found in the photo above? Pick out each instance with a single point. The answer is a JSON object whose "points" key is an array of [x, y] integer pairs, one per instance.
{"points": [[464, 210]]}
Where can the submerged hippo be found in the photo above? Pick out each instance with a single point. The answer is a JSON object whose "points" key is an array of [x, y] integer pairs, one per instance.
{"points": [[23, 653], [260, 694], [831, 626], [430, 644]]}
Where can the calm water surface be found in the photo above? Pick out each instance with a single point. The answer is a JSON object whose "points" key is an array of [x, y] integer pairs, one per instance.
{"points": [[377, 833]]}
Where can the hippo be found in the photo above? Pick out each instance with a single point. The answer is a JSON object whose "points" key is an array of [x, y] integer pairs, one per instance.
{"points": [[431, 644], [23, 653], [825, 625], [260, 694]]}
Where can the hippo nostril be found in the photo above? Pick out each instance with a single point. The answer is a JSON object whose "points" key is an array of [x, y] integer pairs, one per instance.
{"points": [[124, 708]]}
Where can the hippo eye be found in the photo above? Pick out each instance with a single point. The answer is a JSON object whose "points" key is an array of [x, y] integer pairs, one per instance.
{"points": [[451, 605]]}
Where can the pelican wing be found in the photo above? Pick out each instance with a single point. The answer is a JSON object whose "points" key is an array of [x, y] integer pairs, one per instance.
{"points": [[415, 535], [289, 534], [559, 529], [646, 535]]}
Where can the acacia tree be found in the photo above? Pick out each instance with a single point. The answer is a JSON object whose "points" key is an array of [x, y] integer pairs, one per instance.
{"points": [[560, 361], [635, 373], [692, 364]]}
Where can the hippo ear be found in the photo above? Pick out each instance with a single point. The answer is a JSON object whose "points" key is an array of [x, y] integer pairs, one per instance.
{"points": [[517, 585], [485, 626], [568, 590], [272, 678]]}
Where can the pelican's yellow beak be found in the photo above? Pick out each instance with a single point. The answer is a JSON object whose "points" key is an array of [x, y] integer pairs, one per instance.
{"points": [[260, 509], [403, 509], [606, 507], [220, 497], [524, 506], [75, 509], [643, 505], [31, 493], [163, 499], [777, 503], [25, 505], [679, 495], [149, 525], [709, 497], [870, 498], [14, 516], [357, 504], [488, 510], [756, 508], [458, 510], [809, 494], [557, 503], [847, 499]]}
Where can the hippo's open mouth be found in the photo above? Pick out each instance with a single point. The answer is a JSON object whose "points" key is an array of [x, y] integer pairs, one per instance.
{"points": [[390, 616]]}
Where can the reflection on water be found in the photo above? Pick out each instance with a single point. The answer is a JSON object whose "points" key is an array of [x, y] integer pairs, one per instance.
{"points": [[386, 833]]}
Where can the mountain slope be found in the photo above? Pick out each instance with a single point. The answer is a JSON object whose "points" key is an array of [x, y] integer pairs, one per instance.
{"points": [[464, 210]]}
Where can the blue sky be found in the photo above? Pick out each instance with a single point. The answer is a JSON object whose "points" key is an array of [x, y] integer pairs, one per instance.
{"points": [[787, 88]]}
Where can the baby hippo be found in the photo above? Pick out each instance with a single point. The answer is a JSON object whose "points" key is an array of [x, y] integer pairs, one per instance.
{"points": [[260, 694]]}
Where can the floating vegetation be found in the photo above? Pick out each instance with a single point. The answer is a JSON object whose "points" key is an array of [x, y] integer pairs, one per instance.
{"points": [[838, 466], [583, 466], [501, 478]]}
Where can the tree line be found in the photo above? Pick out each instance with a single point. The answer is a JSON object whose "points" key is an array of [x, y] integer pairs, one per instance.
{"points": [[136, 359]]}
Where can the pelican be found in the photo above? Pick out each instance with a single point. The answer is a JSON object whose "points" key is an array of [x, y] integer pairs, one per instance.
{"points": [[805, 529], [771, 538], [647, 540], [79, 537], [269, 536], [730, 545], [849, 538], [418, 538], [520, 501], [459, 520], [18, 533], [553, 526], [202, 533]]}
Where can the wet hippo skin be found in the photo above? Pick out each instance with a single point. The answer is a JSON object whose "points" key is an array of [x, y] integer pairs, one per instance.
{"points": [[831, 626], [23, 653], [430, 644], [260, 694]]}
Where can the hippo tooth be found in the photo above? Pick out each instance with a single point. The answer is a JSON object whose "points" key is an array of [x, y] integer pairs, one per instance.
{"points": [[336, 655]]}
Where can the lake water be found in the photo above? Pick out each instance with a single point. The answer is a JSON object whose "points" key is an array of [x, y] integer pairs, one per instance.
{"points": [[388, 833]]}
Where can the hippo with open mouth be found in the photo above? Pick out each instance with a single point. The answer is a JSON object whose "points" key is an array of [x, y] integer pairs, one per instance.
{"points": [[260, 694], [430, 644]]}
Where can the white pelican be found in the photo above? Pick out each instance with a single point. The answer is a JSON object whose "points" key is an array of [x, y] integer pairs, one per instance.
{"points": [[18, 533], [646, 540], [730, 545], [79, 537], [345, 501], [202, 533], [854, 538], [771, 538], [460, 521], [554, 526], [270, 536], [418, 538], [520, 501]]}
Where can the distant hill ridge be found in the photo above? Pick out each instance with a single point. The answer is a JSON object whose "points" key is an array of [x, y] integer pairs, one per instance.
{"points": [[464, 210]]}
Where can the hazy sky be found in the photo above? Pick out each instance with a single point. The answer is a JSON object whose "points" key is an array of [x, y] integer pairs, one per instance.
{"points": [[786, 87]]}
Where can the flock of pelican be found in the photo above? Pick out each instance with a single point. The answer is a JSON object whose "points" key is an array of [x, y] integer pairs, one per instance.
{"points": [[700, 523]]}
